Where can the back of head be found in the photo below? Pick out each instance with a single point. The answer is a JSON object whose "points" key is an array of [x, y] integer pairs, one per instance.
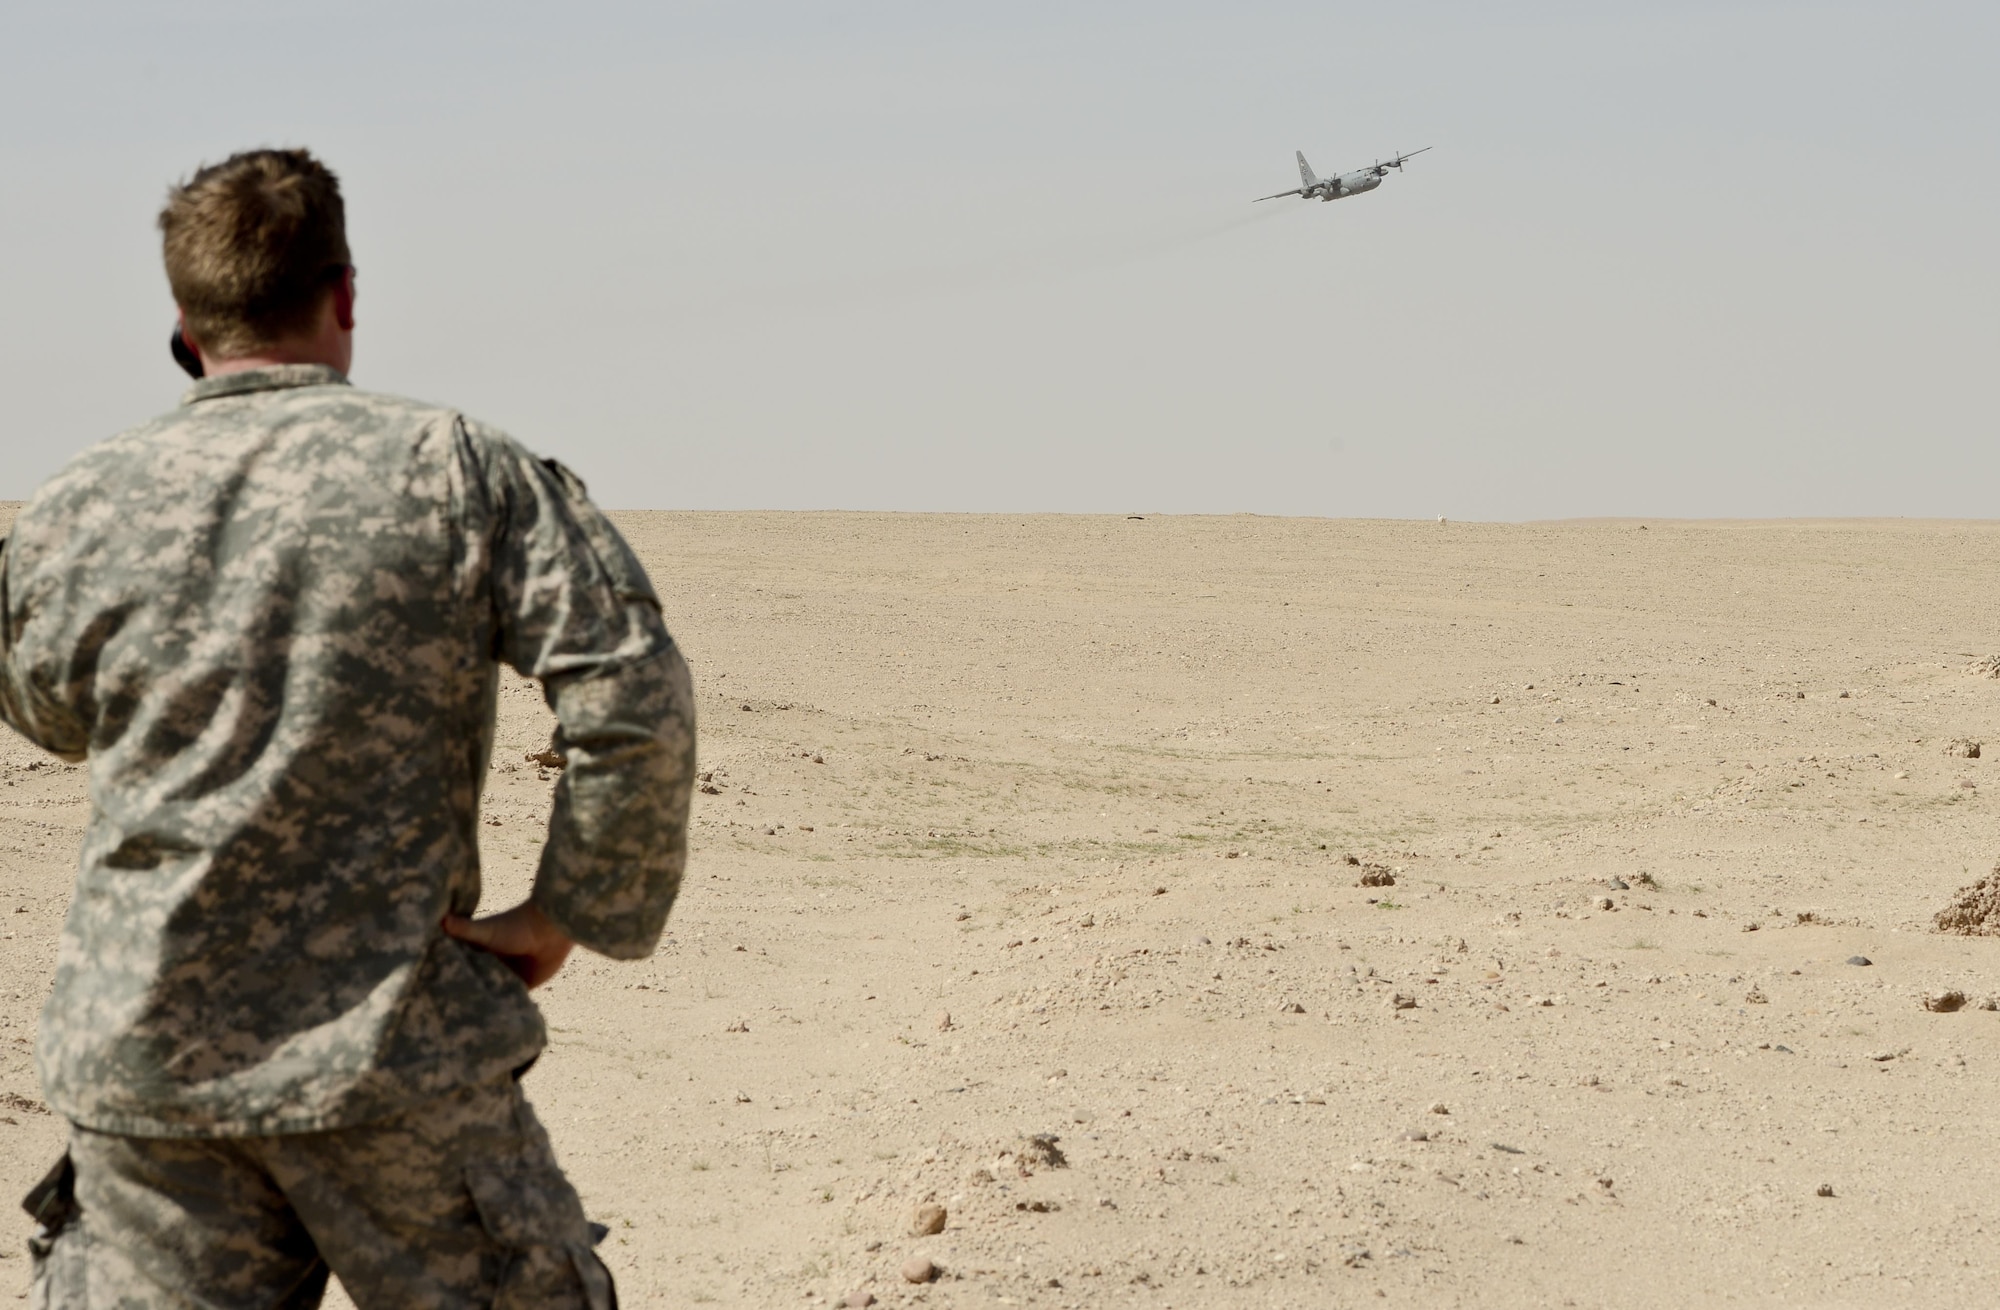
{"points": [[252, 245]]}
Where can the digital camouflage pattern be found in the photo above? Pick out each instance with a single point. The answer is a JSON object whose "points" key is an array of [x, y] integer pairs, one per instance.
{"points": [[270, 621], [449, 1205]]}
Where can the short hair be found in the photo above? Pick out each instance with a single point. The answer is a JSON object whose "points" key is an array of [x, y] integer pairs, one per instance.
{"points": [[251, 244]]}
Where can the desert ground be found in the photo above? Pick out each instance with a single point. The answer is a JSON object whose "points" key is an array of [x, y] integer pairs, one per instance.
{"points": [[1028, 882]]}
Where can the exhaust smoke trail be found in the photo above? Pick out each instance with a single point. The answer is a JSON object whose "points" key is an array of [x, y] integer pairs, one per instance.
{"points": [[1069, 258]]}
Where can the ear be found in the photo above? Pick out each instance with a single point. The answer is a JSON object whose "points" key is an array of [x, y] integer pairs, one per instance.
{"points": [[343, 300]]}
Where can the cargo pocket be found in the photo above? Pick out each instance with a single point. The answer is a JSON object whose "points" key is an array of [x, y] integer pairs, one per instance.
{"points": [[533, 1217], [56, 1251]]}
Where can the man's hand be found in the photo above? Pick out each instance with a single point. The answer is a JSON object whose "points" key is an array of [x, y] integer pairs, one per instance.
{"points": [[522, 937]]}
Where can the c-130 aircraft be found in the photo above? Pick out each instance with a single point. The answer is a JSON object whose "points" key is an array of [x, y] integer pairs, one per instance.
{"points": [[1347, 184]]}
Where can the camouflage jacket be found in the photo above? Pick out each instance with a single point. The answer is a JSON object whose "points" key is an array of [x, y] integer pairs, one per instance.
{"points": [[271, 620]]}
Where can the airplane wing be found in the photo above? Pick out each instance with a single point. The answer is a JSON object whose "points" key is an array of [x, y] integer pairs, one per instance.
{"points": [[1295, 191]]}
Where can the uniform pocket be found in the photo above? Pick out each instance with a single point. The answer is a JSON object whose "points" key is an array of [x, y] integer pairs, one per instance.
{"points": [[56, 1251], [534, 1219]]}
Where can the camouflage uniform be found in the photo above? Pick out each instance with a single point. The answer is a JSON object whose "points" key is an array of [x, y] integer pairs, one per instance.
{"points": [[270, 620]]}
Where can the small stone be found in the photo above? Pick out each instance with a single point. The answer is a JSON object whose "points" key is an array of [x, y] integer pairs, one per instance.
{"points": [[1755, 996], [1291, 1007], [1605, 903], [944, 1021], [1619, 885], [1861, 960], [873, 1246], [1945, 1002], [1439, 1107], [1402, 1001], [859, 1298], [1374, 875], [918, 1270], [1824, 1189], [1962, 749], [1201, 941], [928, 1221], [1752, 926], [1416, 1134]]}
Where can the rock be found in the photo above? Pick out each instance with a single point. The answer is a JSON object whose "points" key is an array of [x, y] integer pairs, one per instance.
{"points": [[1962, 749], [1860, 960], [1291, 1007], [859, 1298], [1439, 1107], [739, 1026], [1041, 1149], [1402, 1001], [1415, 1134], [1824, 1189], [1375, 875], [919, 1270], [1619, 885], [944, 1021], [1975, 911], [928, 1221], [1945, 1002], [1605, 903], [1755, 996]]}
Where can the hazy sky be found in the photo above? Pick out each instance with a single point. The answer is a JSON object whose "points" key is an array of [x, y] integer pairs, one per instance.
{"points": [[1675, 258]]}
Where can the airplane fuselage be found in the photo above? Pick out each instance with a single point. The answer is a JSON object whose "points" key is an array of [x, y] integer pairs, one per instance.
{"points": [[1349, 184]]}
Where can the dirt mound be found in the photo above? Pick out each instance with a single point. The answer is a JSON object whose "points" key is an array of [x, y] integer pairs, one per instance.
{"points": [[1975, 911]]}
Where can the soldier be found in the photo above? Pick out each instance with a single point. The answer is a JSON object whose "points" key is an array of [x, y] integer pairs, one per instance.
{"points": [[271, 620]]}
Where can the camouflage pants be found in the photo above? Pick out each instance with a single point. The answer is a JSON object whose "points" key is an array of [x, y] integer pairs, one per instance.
{"points": [[455, 1203]]}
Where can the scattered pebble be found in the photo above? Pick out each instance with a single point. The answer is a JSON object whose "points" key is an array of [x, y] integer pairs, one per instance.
{"points": [[918, 1270], [1945, 1002], [1824, 1189], [1439, 1107], [1402, 1001], [928, 1221], [860, 1298], [1861, 960], [944, 1021]]}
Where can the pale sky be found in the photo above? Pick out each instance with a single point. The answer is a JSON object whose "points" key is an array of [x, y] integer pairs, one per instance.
{"points": [[1682, 258]]}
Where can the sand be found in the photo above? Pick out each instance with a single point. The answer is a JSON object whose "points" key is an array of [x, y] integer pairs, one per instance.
{"points": [[1102, 789]]}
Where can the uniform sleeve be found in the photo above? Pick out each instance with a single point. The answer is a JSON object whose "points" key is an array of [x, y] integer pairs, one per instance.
{"points": [[573, 608], [24, 705]]}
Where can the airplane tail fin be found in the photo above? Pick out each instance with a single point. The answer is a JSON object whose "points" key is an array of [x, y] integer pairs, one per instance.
{"points": [[1306, 178]]}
